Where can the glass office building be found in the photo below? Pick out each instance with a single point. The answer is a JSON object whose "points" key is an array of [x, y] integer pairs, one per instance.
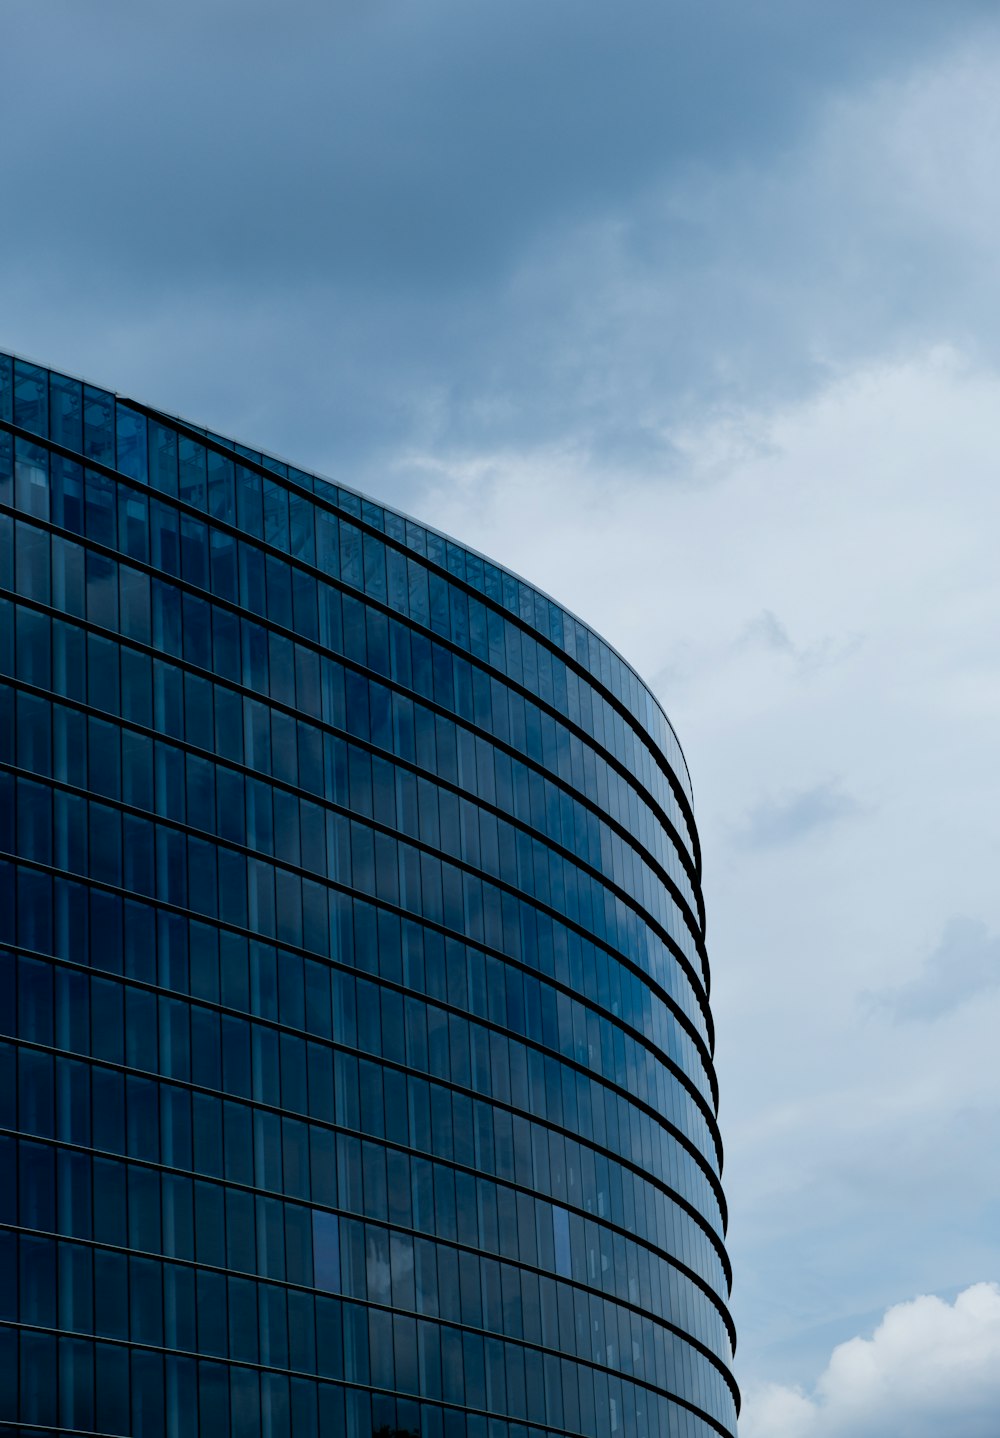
{"points": [[355, 1050]]}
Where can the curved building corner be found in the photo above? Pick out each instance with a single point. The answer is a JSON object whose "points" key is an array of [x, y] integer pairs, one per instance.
{"points": [[355, 1045]]}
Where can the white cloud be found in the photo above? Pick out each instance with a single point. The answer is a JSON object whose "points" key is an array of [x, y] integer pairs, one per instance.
{"points": [[930, 1370]]}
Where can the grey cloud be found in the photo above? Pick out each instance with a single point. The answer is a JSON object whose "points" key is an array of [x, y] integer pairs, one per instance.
{"points": [[966, 962], [768, 632], [792, 817], [402, 146], [443, 227]]}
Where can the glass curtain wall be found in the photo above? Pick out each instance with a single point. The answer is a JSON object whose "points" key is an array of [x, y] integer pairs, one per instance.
{"points": [[355, 1047]]}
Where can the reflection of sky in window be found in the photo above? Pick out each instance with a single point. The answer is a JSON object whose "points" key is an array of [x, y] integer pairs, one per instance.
{"points": [[560, 1228], [326, 1250], [466, 1021]]}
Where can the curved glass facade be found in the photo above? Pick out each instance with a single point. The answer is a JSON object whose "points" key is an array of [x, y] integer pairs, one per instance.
{"points": [[355, 1049]]}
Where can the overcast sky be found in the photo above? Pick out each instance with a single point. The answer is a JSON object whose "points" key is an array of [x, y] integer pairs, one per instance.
{"points": [[689, 311]]}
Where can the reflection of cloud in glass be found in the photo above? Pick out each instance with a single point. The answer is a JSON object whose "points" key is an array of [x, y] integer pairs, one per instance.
{"points": [[379, 1271], [401, 1264], [326, 1250]]}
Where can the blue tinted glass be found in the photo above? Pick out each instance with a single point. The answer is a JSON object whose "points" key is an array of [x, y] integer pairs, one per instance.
{"points": [[162, 458], [6, 387], [98, 425], [248, 500], [221, 487], [6, 467], [31, 397], [287, 825], [193, 472], [66, 411], [131, 443]]}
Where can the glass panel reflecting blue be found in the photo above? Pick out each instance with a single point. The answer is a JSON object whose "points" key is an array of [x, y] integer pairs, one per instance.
{"points": [[353, 983]]}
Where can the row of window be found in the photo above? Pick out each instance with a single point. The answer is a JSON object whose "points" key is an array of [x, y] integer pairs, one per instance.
{"points": [[148, 529], [161, 862], [246, 1058], [254, 1145], [86, 1385], [53, 826], [346, 1256], [120, 597], [221, 1051], [181, 625], [191, 957], [599, 1113], [95, 1196], [438, 744], [350, 850], [255, 1061], [238, 571], [225, 1138], [84, 420], [150, 691], [110, 1294], [470, 979]]}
